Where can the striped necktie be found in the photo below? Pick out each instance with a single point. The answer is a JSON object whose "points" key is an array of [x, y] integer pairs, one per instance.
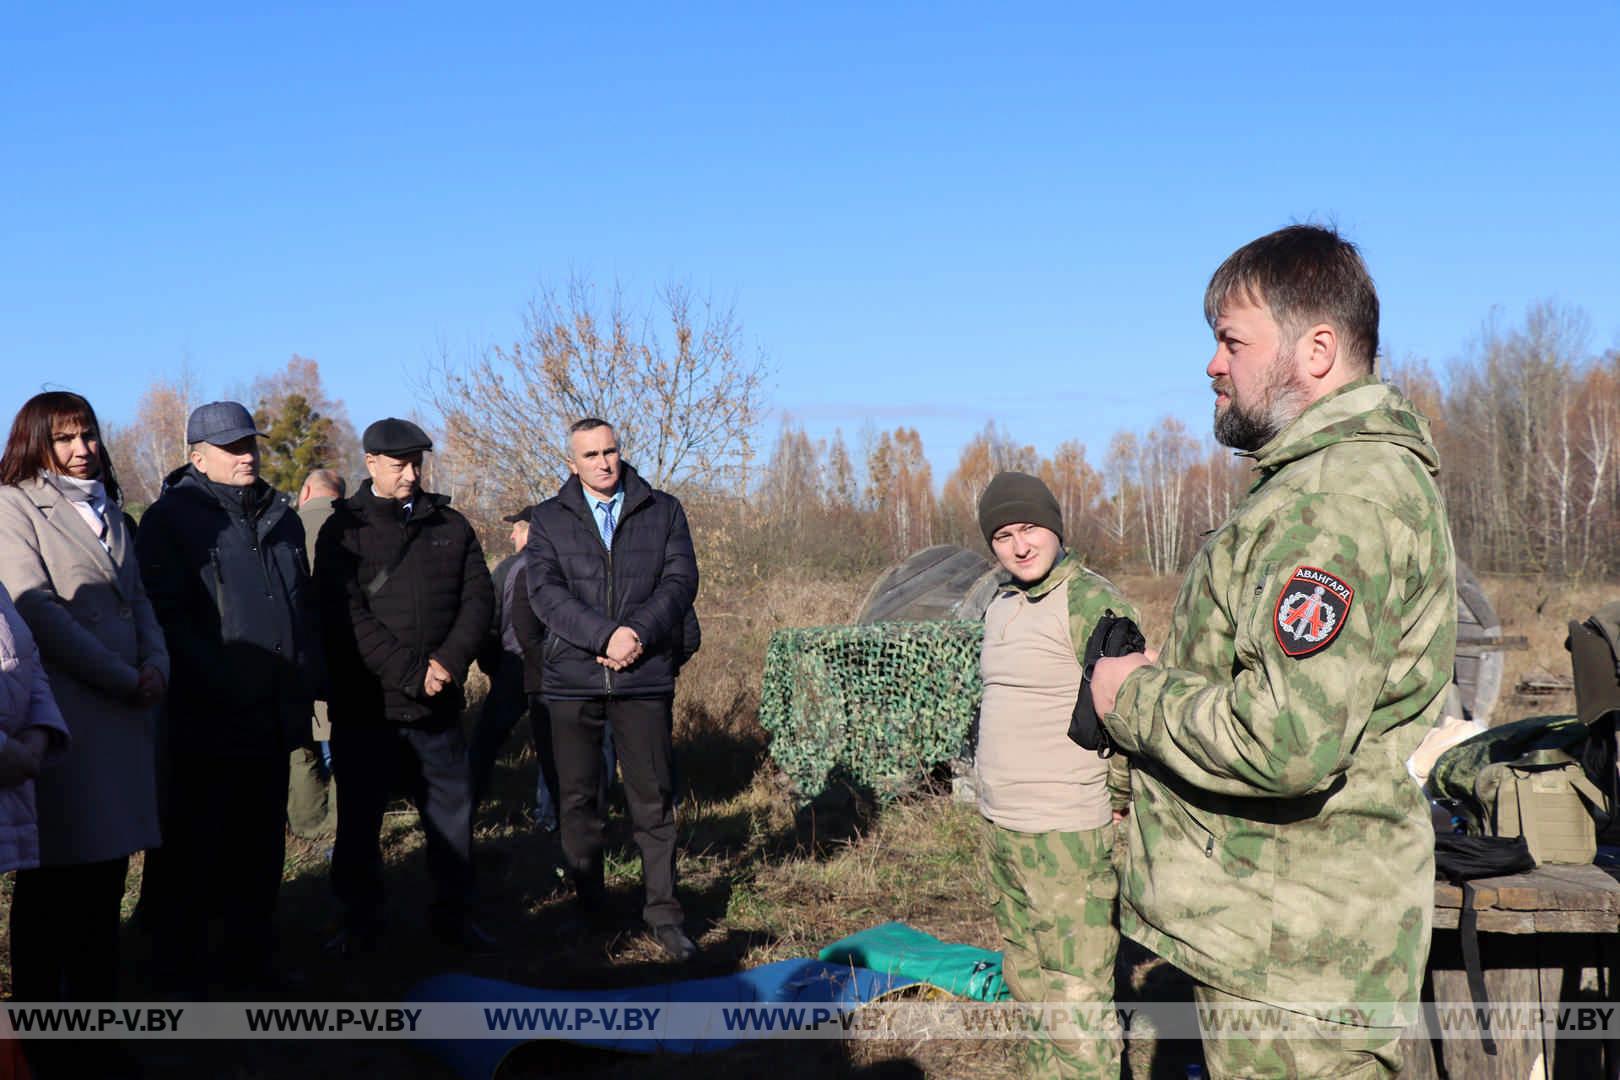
{"points": [[606, 523]]}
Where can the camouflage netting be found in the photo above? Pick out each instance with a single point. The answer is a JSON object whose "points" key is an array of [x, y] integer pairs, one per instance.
{"points": [[882, 703]]}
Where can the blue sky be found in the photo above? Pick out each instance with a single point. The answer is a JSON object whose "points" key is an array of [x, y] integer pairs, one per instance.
{"points": [[932, 215]]}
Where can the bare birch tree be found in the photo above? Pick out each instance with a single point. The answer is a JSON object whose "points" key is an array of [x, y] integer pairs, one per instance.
{"points": [[683, 394], [154, 443]]}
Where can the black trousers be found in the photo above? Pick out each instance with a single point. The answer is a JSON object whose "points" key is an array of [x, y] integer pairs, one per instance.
{"points": [[502, 709], [64, 932], [642, 734], [224, 845], [379, 762], [540, 734]]}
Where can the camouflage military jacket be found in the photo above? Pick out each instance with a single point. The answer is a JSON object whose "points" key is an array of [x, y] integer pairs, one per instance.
{"points": [[1278, 848]]}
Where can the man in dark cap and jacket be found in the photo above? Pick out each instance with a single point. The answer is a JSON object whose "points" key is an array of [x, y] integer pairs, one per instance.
{"points": [[405, 604], [612, 575], [512, 665], [223, 558]]}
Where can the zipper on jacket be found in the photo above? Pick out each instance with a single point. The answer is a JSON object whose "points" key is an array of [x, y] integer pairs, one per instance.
{"points": [[1209, 834], [607, 672], [416, 586], [1266, 573], [262, 550]]}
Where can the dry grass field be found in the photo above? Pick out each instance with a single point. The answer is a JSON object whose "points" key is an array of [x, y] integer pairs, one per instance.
{"points": [[762, 879]]}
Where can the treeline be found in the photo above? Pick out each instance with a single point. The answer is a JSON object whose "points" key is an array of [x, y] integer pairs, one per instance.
{"points": [[1527, 423], [1528, 427], [1145, 505]]}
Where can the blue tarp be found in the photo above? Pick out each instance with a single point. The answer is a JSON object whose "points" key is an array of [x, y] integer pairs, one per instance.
{"points": [[787, 982]]}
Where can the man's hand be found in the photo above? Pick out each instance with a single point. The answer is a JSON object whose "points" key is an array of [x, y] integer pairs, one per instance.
{"points": [[1109, 674], [623, 648], [149, 690], [437, 678]]}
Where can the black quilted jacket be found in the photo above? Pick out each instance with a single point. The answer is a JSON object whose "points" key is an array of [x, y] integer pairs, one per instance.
{"points": [[395, 593], [582, 592], [228, 579]]}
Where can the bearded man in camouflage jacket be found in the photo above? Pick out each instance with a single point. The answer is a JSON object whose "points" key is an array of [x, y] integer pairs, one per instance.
{"points": [[1278, 851]]}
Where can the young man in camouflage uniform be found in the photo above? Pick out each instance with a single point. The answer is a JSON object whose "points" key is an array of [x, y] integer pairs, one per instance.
{"points": [[1048, 803], [1278, 850]]}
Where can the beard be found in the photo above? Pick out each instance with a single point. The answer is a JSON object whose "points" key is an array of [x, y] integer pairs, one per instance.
{"points": [[1249, 427]]}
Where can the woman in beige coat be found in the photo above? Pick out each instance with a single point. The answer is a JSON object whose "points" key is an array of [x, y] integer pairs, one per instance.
{"points": [[68, 560]]}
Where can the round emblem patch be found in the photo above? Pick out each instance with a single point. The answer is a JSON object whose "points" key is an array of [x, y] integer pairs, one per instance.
{"points": [[1311, 610]]}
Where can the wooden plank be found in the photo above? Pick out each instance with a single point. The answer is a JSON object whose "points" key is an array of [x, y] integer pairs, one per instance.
{"points": [[1576, 922], [1463, 1051], [1507, 922], [1471, 596], [1542, 970], [1489, 922], [1548, 899], [1447, 895], [1488, 687], [1417, 1055], [1557, 888], [1544, 683], [1474, 645]]}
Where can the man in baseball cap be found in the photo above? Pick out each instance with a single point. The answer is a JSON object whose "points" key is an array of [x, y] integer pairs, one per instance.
{"points": [[220, 423], [222, 556]]}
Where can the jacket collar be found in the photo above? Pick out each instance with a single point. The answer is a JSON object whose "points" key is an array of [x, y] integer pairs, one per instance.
{"points": [[63, 517], [1364, 410], [369, 505], [1061, 571], [187, 482]]}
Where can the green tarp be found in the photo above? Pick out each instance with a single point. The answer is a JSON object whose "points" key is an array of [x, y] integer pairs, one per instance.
{"points": [[903, 951]]}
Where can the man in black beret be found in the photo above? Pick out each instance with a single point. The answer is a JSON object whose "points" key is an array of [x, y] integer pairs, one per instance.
{"points": [[406, 602]]}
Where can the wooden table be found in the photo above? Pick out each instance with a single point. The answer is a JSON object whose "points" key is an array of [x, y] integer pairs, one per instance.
{"points": [[1547, 937]]}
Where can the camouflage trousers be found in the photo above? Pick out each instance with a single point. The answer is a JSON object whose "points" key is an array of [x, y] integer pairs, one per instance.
{"points": [[1336, 1050], [1055, 897]]}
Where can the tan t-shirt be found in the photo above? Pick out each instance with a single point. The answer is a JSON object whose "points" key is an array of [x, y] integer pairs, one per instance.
{"points": [[1030, 776]]}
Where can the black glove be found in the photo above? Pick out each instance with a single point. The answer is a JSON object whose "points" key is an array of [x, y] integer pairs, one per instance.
{"points": [[1115, 635]]}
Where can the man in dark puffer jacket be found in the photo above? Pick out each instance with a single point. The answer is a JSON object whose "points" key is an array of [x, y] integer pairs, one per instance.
{"points": [[223, 558], [613, 580], [405, 603]]}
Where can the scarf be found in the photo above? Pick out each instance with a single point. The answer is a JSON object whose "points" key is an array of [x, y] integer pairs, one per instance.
{"points": [[89, 498]]}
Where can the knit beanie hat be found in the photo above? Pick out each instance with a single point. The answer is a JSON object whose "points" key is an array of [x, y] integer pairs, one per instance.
{"points": [[1015, 497]]}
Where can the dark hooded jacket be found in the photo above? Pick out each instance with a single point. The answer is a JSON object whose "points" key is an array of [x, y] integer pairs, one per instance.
{"points": [[227, 574], [396, 592], [582, 592]]}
